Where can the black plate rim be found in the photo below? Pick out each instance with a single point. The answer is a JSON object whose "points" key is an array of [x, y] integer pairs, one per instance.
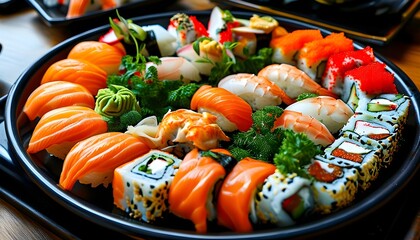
{"points": [[86, 210]]}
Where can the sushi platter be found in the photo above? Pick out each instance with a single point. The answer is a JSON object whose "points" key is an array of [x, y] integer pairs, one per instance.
{"points": [[361, 156]]}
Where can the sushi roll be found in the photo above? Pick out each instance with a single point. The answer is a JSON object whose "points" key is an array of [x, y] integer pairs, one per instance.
{"points": [[339, 63], [193, 190], [141, 186], [348, 153], [236, 199], [365, 82], [232, 112], [159, 42], [286, 47], [334, 187], [186, 29], [283, 199], [379, 131], [313, 56], [396, 106]]}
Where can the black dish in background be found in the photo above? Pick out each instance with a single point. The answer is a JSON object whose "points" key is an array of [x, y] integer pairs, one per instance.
{"points": [[95, 205], [56, 16], [369, 21]]}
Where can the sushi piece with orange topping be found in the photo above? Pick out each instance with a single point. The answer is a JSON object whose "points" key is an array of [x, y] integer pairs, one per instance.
{"points": [[313, 56], [81, 72], [232, 112], [193, 190], [56, 94], [93, 160], [286, 47], [237, 193], [105, 56], [60, 129]]}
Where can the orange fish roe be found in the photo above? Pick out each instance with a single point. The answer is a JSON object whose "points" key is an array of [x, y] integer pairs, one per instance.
{"points": [[295, 40], [374, 78], [347, 155], [322, 49]]}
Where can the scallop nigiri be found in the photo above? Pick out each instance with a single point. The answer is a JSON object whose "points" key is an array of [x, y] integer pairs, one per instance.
{"points": [[193, 188], [232, 112], [256, 90], [302, 123], [82, 72], [60, 129], [107, 57], [56, 94], [237, 192], [93, 160], [333, 113]]}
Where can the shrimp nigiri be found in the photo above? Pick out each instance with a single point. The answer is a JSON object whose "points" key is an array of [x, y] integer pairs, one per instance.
{"points": [[237, 193], [301, 123], [60, 129], [333, 113], [293, 80], [256, 90], [56, 94], [232, 111], [105, 56], [93, 160], [193, 188], [82, 72]]}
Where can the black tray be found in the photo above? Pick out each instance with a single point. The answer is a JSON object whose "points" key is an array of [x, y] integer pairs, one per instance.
{"points": [[371, 21]]}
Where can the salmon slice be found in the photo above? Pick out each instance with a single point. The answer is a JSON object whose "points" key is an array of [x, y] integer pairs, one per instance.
{"points": [[193, 186], [237, 192], [105, 56], [77, 71], [56, 94], [93, 160], [65, 126], [228, 107]]}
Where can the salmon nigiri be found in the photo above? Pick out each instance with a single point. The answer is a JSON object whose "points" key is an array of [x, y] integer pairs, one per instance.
{"points": [[58, 130], [107, 57], [232, 111], [237, 192], [192, 189], [77, 71], [93, 160], [56, 94]]}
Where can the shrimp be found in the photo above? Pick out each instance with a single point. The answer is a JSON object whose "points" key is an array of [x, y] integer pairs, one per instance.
{"points": [[257, 91], [176, 68], [78, 7], [302, 123], [293, 81], [333, 113], [182, 126]]}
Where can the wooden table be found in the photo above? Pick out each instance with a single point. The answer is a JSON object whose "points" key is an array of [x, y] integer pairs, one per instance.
{"points": [[25, 38]]}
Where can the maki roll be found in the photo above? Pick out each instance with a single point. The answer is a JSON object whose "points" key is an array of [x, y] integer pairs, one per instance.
{"points": [[141, 186], [365, 82], [334, 187], [283, 199], [339, 63], [374, 130], [194, 187], [313, 56], [349, 153]]}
